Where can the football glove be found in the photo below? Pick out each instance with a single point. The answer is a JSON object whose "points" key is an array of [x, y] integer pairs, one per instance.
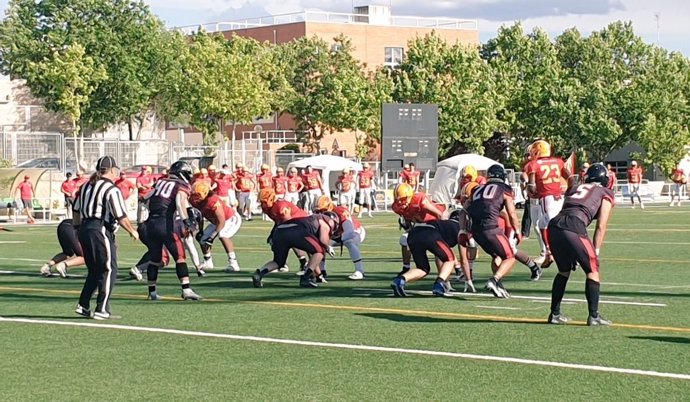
{"points": [[331, 251], [469, 287]]}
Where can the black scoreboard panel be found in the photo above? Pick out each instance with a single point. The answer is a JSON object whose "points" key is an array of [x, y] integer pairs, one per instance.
{"points": [[409, 134]]}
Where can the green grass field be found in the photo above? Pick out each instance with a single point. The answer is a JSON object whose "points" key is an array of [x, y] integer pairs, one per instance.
{"points": [[645, 275]]}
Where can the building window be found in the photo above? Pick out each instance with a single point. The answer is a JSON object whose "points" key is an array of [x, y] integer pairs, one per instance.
{"points": [[393, 56]]}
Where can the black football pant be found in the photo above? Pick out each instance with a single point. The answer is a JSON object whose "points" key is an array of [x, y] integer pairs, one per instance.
{"points": [[100, 256]]}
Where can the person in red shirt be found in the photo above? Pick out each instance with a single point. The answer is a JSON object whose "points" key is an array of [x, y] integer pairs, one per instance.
{"points": [[365, 183], [265, 180], [244, 181], [613, 180], [546, 174], [410, 176], [679, 181], [314, 186], [126, 187], [280, 183], [413, 207], [67, 189], [346, 185], [295, 185], [281, 211], [144, 187], [26, 195], [223, 223], [223, 187], [79, 181], [634, 181], [212, 172]]}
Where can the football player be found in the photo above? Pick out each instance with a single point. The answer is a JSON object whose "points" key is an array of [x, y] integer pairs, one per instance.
{"points": [[545, 174], [410, 176], [244, 182], [295, 185], [572, 245], [311, 234], [679, 181], [634, 180], [280, 183], [484, 209], [532, 213], [71, 255], [224, 223], [350, 233], [413, 207], [314, 186], [169, 201], [280, 211], [346, 186], [365, 181]]}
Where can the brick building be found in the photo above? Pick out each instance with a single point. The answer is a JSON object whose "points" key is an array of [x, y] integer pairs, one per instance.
{"points": [[378, 37]]}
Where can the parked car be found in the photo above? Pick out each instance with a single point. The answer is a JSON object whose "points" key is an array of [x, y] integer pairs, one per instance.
{"points": [[133, 172], [50, 162]]}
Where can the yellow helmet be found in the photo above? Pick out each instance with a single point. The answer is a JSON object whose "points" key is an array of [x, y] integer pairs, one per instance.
{"points": [[324, 203], [470, 171], [540, 149], [467, 190], [265, 167], [201, 189], [267, 196], [404, 192]]}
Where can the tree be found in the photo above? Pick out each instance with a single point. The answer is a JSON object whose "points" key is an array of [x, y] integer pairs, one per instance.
{"points": [[455, 78]]}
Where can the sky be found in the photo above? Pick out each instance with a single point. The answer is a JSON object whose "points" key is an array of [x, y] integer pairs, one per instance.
{"points": [[554, 16]]}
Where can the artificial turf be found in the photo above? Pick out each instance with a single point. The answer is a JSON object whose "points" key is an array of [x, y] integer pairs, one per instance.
{"points": [[644, 261]]}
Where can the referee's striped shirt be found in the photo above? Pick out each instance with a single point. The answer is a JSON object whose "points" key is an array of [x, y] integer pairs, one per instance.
{"points": [[101, 200]]}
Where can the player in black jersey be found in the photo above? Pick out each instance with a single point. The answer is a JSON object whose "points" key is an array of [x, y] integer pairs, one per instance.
{"points": [[484, 209], [310, 234], [71, 255], [571, 245], [168, 203]]}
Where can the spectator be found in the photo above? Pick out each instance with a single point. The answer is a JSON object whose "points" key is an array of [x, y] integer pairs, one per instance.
{"points": [[26, 194]]}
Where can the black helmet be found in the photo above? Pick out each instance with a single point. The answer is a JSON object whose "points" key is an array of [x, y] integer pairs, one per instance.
{"points": [[333, 217], [182, 170], [597, 173], [496, 172]]}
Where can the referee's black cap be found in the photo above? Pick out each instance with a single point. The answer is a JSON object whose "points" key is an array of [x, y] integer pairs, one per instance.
{"points": [[105, 163]]}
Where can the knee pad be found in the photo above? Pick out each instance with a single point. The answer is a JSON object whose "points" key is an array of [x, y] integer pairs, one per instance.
{"points": [[182, 270]]}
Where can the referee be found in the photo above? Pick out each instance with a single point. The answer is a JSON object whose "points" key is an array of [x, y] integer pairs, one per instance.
{"points": [[98, 210]]}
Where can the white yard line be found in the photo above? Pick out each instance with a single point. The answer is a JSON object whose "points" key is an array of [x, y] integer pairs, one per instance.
{"points": [[499, 307], [383, 349]]}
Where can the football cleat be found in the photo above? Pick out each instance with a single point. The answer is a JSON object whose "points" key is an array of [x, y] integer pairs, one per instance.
{"points": [[189, 294], [61, 268], [82, 311], [503, 289], [284, 268], [45, 270], [536, 273], [598, 321], [398, 286], [233, 266], [356, 276], [440, 289], [307, 281], [493, 286], [106, 316], [154, 296], [208, 263], [135, 273], [257, 281], [321, 278], [557, 319]]}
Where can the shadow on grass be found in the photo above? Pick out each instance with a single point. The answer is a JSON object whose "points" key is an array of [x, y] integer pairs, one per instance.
{"points": [[669, 339], [435, 320]]}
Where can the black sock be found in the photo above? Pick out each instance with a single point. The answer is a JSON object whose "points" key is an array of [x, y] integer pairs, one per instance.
{"points": [[185, 286], [152, 288], [592, 293], [263, 272], [557, 292]]}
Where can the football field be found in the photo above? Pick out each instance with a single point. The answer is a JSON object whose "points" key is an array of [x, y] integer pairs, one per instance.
{"points": [[353, 340]]}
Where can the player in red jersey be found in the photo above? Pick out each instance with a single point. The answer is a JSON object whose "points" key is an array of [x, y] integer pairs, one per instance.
{"points": [[613, 180], [679, 182], [365, 181], [244, 182], [265, 180], [294, 186], [280, 211], [346, 186], [545, 174], [223, 187], [572, 245], [634, 181], [314, 186], [410, 176], [223, 223], [280, 183], [413, 207], [484, 209], [350, 233]]}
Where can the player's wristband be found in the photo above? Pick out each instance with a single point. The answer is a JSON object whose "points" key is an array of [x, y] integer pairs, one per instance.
{"points": [[596, 251]]}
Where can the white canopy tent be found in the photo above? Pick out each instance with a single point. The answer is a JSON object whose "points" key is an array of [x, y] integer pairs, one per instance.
{"points": [[448, 171], [330, 166]]}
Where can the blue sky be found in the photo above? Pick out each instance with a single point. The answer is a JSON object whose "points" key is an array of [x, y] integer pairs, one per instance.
{"points": [[552, 15]]}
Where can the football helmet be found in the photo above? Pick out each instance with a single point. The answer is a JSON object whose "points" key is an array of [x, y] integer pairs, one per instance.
{"points": [[182, 170], [540, 149], [496, 172], [403, 192], [324, 204], [201, 189], [470, 172], [265, 168], [597, 173]]}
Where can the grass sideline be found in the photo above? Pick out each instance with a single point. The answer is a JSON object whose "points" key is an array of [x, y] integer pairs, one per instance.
{"points": [[643, 262]]}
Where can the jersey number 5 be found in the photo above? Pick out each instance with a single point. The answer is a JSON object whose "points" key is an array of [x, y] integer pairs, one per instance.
{"points": [[582, 191]]}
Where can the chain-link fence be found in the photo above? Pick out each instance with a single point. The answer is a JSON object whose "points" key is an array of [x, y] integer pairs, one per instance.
{"points": [[21, 147], [126, 153]]}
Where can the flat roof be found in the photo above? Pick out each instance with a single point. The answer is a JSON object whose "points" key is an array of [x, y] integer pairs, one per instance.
{"points": [[335, 18]]}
